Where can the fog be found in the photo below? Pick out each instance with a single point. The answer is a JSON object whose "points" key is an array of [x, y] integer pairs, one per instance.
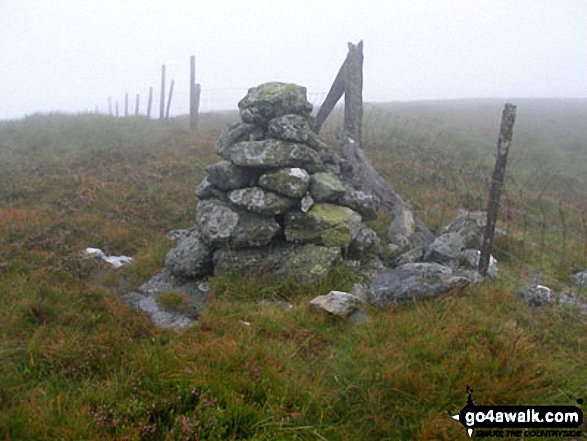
{"points": [[70, 56]]}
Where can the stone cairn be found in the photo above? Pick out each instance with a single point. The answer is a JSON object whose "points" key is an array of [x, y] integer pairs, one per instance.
{"points": [[280, 202]]}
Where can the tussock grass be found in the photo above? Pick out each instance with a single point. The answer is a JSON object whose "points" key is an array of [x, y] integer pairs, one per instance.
{"points": [[76, 363]]}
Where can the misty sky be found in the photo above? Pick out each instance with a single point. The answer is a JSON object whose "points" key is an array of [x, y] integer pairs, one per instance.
{"points": [[71, 55]]}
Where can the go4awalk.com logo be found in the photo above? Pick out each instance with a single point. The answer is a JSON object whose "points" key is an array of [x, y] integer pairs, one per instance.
{"points": [[520, 421]]}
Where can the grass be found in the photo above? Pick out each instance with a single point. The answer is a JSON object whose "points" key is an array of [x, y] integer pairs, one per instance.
{"points": [[76, 363]]}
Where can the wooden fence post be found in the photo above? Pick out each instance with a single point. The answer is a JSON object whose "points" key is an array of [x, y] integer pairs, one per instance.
{"points": [[110, 105], [503, 146], [194, 94], [126, 104], [353, 92], [137, 105], [149, 102], [169, 100], [162, 101], [116, 109]]}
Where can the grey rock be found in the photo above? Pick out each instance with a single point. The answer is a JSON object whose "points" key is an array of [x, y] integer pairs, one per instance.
{"points": [[471, 226], [227, 176], [303, 262], [572, 300], [470, 260], [294, 128], [579, 279], [338, 303], [271, 153], [413, 281], [363, 203], [220, 225], [414, 255], [446, 250], [324, 224], [257, 200], [326, 187], [536, 295], [363, 240], [145, 299], [205, 190], [237, 133], [191, 258], [291, 182], [271, 100]]}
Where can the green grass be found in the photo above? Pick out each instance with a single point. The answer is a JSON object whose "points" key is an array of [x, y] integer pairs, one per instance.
{"points": [[76, 363]]}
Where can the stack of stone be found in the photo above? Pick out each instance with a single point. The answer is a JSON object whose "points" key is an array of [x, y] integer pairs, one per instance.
{"points": [[277, 202]]}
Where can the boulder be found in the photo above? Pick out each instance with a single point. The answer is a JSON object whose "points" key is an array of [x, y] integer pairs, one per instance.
{"points": [[339, 303], [303, 262], [363, 240], [363, 203], [536, 295], [227, 176], [257, 200], [294, 128], [237, 133], [471, 226], [271, 153], [326, 187], [446, 250], [191, 258], [323, 224], [291, 182], [220, 225], [413, 281], [579, 280], [271, 100]]}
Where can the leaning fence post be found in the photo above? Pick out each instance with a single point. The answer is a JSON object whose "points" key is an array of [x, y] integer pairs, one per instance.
{"points": [[503, 146], [149, 102]]}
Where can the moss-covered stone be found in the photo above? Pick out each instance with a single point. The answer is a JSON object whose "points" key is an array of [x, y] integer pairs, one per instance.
{"points": [[324, 224]]}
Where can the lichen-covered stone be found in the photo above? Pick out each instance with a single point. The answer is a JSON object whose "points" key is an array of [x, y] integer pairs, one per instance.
{"points": [[326, 187], [363, 203], [363, 240], [227, 176], [310, 262], [220, 225], [403, 224], [271, 100], [303, 262], [257, 200], [306, 203], [191, 258], [273, 153], [294, 128], [291, 182], [324, 224], [536, 295], [237, 133]]}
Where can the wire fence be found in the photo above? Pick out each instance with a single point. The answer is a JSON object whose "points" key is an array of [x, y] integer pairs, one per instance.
{"points": [[440, 157], [443, 168]]}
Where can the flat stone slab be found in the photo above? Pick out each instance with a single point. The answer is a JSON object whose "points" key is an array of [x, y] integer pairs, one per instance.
{"points": [[413, 281]]}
